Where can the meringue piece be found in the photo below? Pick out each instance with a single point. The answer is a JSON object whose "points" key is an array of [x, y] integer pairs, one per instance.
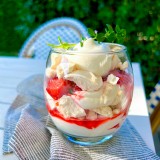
{"points": [[115, 48], [104, 111], [50, 73], [108, 95], [91, 115], [115, 62], [87, 81], [68, 108], [116, 111], [59, 71], [55, 60], [123, 66], [64, 68], [119, 97], [101, 117], [112, 79], [50, 100], [82, 118]]}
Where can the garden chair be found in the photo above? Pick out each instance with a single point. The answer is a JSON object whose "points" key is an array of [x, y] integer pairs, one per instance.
{"points": [[154, 107], [69, 29]]}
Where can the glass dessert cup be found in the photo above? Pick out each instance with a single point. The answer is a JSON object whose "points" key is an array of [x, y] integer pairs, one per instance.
{"points": [[88, 93]]}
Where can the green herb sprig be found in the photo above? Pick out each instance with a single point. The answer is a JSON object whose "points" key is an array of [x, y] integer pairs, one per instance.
{"points": [[63, 45], [118, 35]]}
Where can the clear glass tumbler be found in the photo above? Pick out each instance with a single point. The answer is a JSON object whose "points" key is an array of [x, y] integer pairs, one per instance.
{"points": [[88, 94]]}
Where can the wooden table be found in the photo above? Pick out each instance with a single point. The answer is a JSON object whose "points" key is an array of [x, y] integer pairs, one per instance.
{"points": [[14, 70]]}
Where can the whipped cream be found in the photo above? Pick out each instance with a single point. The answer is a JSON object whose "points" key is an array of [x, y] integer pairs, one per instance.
{"points": [[89, 45], [97, 58]]}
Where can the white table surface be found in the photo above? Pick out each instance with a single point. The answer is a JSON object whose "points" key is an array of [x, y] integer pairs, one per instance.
{"points": [[14, 70]]}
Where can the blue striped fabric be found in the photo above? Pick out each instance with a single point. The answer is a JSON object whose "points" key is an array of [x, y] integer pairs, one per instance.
{"points": [[12, 117], [125, 145], [32, 141], [27, 136]]}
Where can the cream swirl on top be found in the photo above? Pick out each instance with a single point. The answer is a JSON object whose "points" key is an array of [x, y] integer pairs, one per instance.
{"points": [[96, 58]]}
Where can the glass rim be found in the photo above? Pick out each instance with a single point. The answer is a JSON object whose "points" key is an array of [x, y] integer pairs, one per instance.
{"points": [[123, 48]]}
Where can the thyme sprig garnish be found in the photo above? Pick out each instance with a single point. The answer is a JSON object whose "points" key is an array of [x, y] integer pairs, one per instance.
{"points": [[116, 35], [113, 35], [62, 44]]}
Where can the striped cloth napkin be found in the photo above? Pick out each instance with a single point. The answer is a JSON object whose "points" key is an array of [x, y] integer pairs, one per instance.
{"points": [[31, 135]]}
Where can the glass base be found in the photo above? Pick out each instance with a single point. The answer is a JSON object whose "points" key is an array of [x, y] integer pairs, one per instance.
{"points": [[88, 141]]}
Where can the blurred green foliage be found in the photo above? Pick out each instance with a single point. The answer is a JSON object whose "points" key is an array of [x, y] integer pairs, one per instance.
{"points": [[141, 19]]}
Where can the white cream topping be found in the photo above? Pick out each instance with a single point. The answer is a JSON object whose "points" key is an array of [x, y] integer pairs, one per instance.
{"points": [[106, 96], [95, 58], [98, 64], [87, 81], [68, 108], [89, 45]]}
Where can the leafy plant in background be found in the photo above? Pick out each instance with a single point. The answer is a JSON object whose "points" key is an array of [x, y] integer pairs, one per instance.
{"points": [[141, 19]]}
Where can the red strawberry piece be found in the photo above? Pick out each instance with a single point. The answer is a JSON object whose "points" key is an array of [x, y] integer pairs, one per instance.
{"points": [[58, 87], [76, 88]]}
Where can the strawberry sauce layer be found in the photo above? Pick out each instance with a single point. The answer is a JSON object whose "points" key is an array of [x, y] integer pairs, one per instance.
{"points": [[90, 124]]}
